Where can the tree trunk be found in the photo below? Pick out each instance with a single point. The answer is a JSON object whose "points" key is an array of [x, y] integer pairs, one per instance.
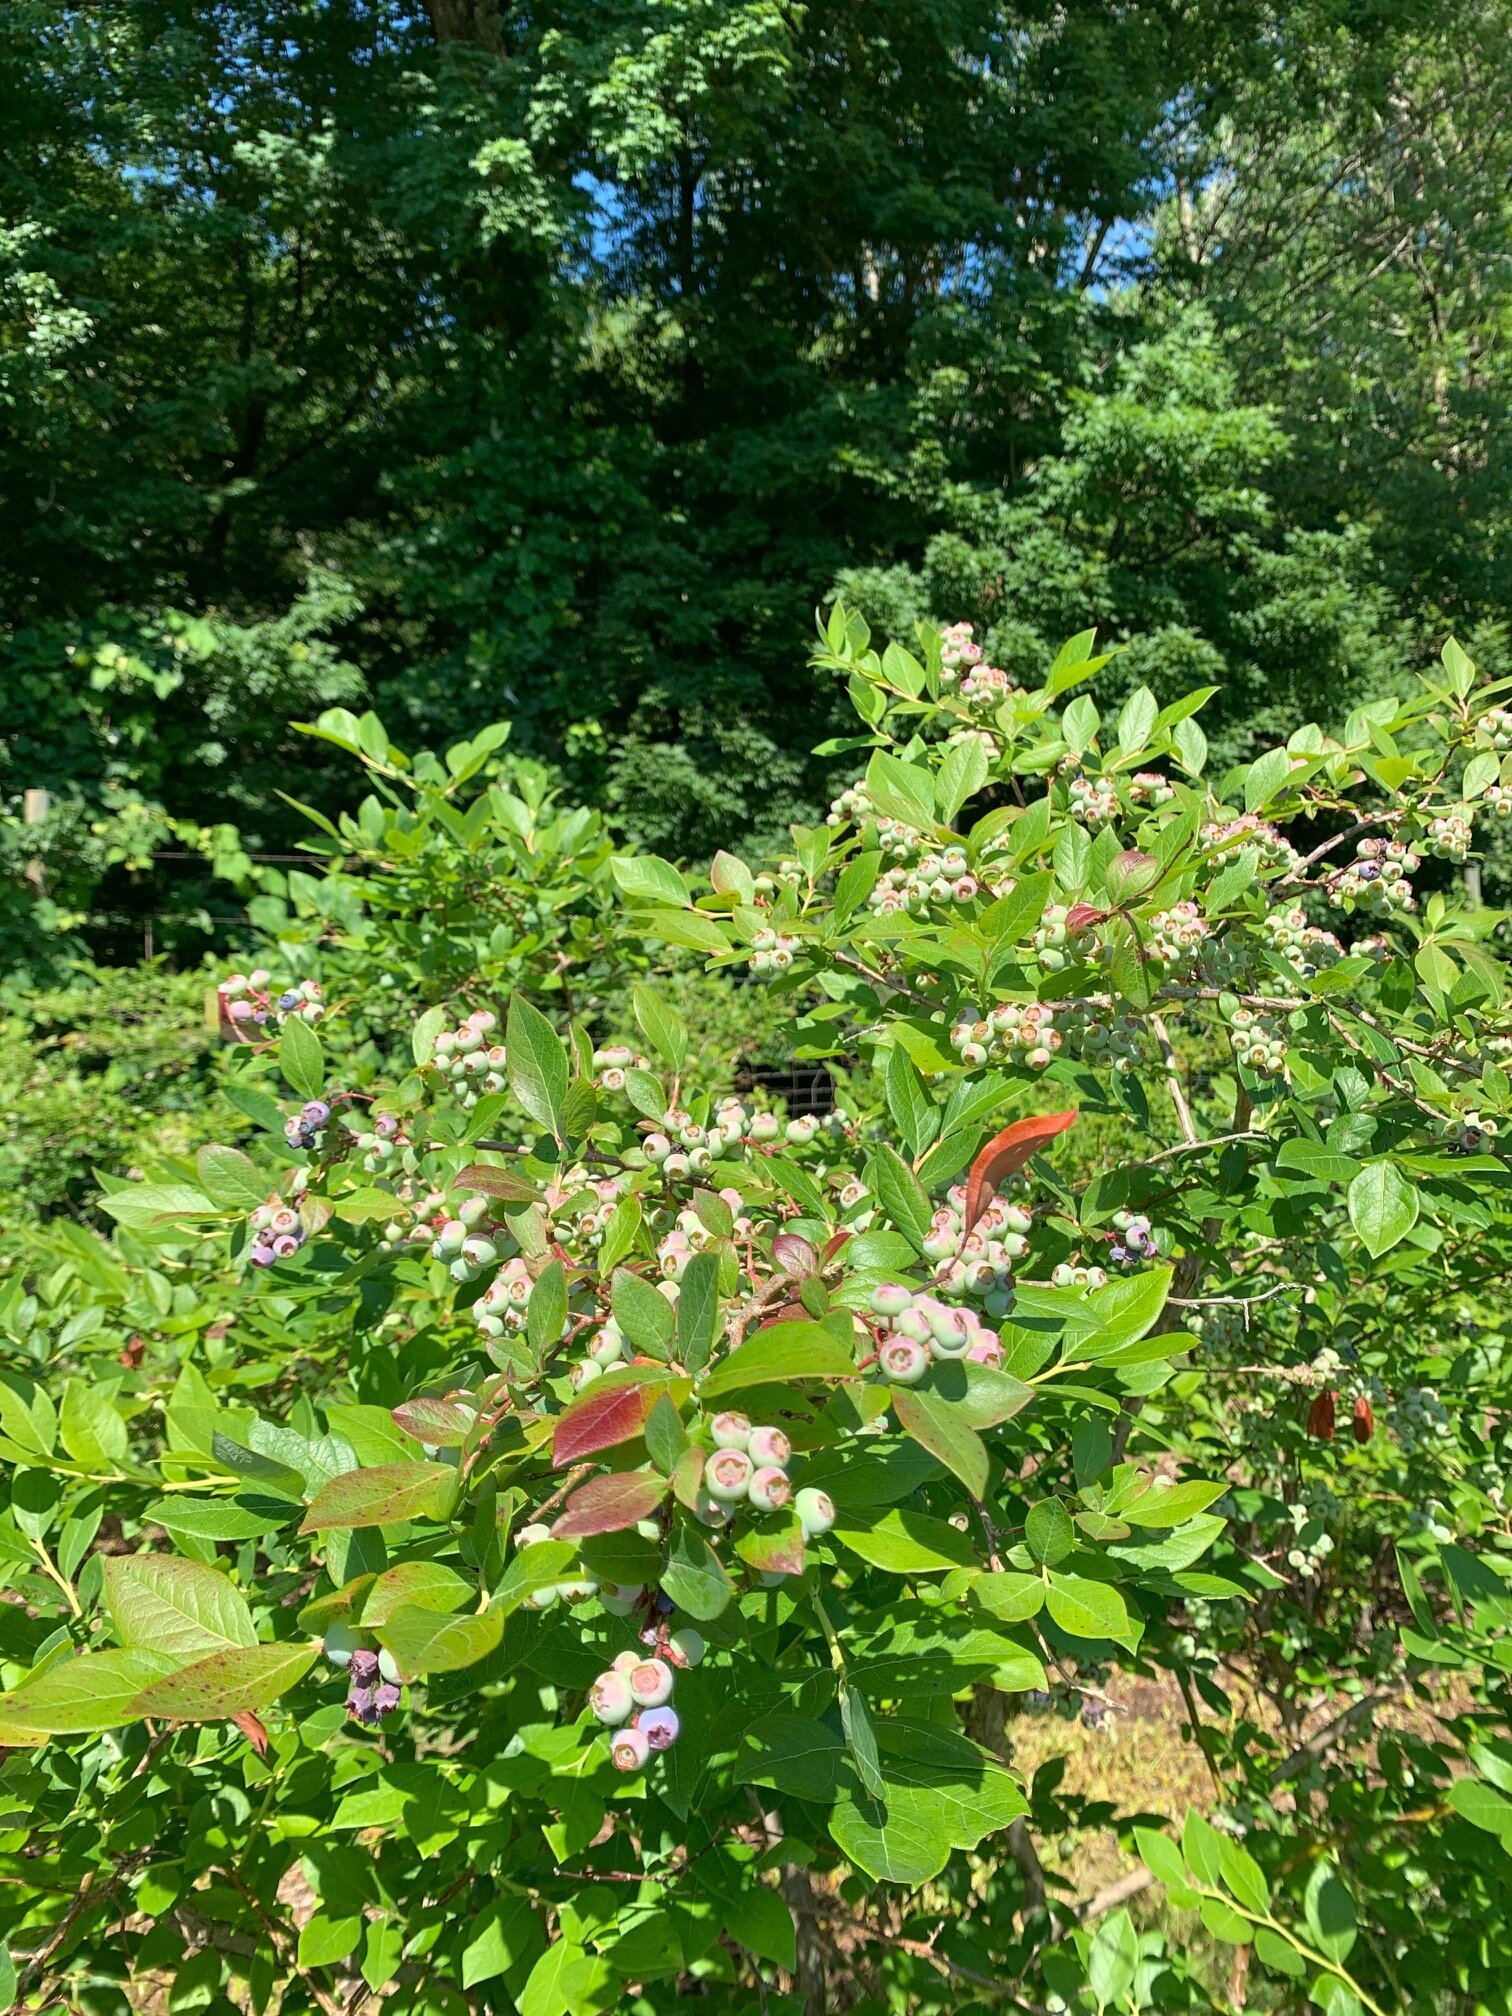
{"points": [[479, 22]]}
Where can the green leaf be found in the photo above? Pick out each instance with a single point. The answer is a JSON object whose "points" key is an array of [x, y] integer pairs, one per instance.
{"points": [[185, 1609], [1479, 1803], [1383, 1207], [301, 1059], [536, 1063], [501, 1934], [82, 1695], [1264, 778], [1242, 1874], [698, 1311], [230, 1178], [1086, 1609], [781, 1352], [941, 1793], [423, 1035], [1049, 1534], [901, 791], [938, 1427], [426, 1641], [241, 1680], [910, 1105], [1330, 1910], [662, 1027], [546, 1311], [900, 1193], [961, 776], [157, 1206], [416, 1585], [694, 1577], [1276, 1952], [646, 878], [89, 1427], [643, 1313], [382, 1496], [1136, 721], [857, 880], [907, 1543], [1312, 1158]]}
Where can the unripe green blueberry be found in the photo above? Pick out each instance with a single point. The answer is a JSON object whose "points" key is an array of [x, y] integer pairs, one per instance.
{"points": [[583, 1373], [388, 1667], [686, 1647], [802, 1130], [651, 1683], [610, 1698], [816, 1511], [473, 1211], [609, 1345], [727, 1475], [656, 1148], [710, 1510], [913, 1324], [341, 1641], [582, 1589], [450, 1239], [629, 1750], [891, 1298], [730, 1431], [763, 1127], [619, 1598], [625, 1662], [540, 1599], [769, 1488], [530, 1536], [903, 1361], [769, 1446]]}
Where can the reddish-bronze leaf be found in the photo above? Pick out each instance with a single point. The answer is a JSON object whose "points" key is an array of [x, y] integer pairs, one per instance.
{"points": [[773, 1552], [599, 1419], [1364, 1419], [1082, 916], [1320, 1416], [610, 1504], [443, 1424], [1005, 1154], [253, 1730], [496, 1183], [794, 1254], [835, 1241]]}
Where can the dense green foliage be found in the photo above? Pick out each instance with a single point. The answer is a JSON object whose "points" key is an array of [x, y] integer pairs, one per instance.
{"points": [[552, 363], [373, 1483]]}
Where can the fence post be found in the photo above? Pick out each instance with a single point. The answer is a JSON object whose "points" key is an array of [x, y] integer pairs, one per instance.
{"points": [[35, 806]]}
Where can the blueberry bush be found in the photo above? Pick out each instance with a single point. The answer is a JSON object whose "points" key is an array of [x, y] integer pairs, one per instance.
{"points": [[537, 1528]]}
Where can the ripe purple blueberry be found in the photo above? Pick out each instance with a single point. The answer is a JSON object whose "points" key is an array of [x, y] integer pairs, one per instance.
{"points": [[659, 1726]]}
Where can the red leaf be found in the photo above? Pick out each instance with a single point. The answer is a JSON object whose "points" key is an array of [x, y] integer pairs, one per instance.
{"points": [[1006, 1153], [1320, 1416], [253, 1730], [779, 1553], [610, 1504], [1364, 1419], [1082, 915], [598, 1420], [794, 1254], [833, 1244]]}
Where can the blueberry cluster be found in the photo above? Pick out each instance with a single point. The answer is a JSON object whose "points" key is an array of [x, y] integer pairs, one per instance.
{"points": [[1227, 837], [1259, 1041], [618, 1598], [1305, 948], [1094, 800], [922, 1331], [980, 1261], [1178, 935], [1377, 879], [1018, 1031], [1068, 1276], [468, 1059], [382, 1142], [747, 1465], [280, 1233], [936, 876], [690, 1235], [1468, 1133], [985, 687], [772, 952], [465, 1250], [959, 652], [612, 1062], [305, 1129], [248, 1004], [1496, 727], [1499, 799], [373, 1689], [1133, 1242], [1100, 1036], [1449, 837], [634, 1699], [1056, 945], [1148, 787]]}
